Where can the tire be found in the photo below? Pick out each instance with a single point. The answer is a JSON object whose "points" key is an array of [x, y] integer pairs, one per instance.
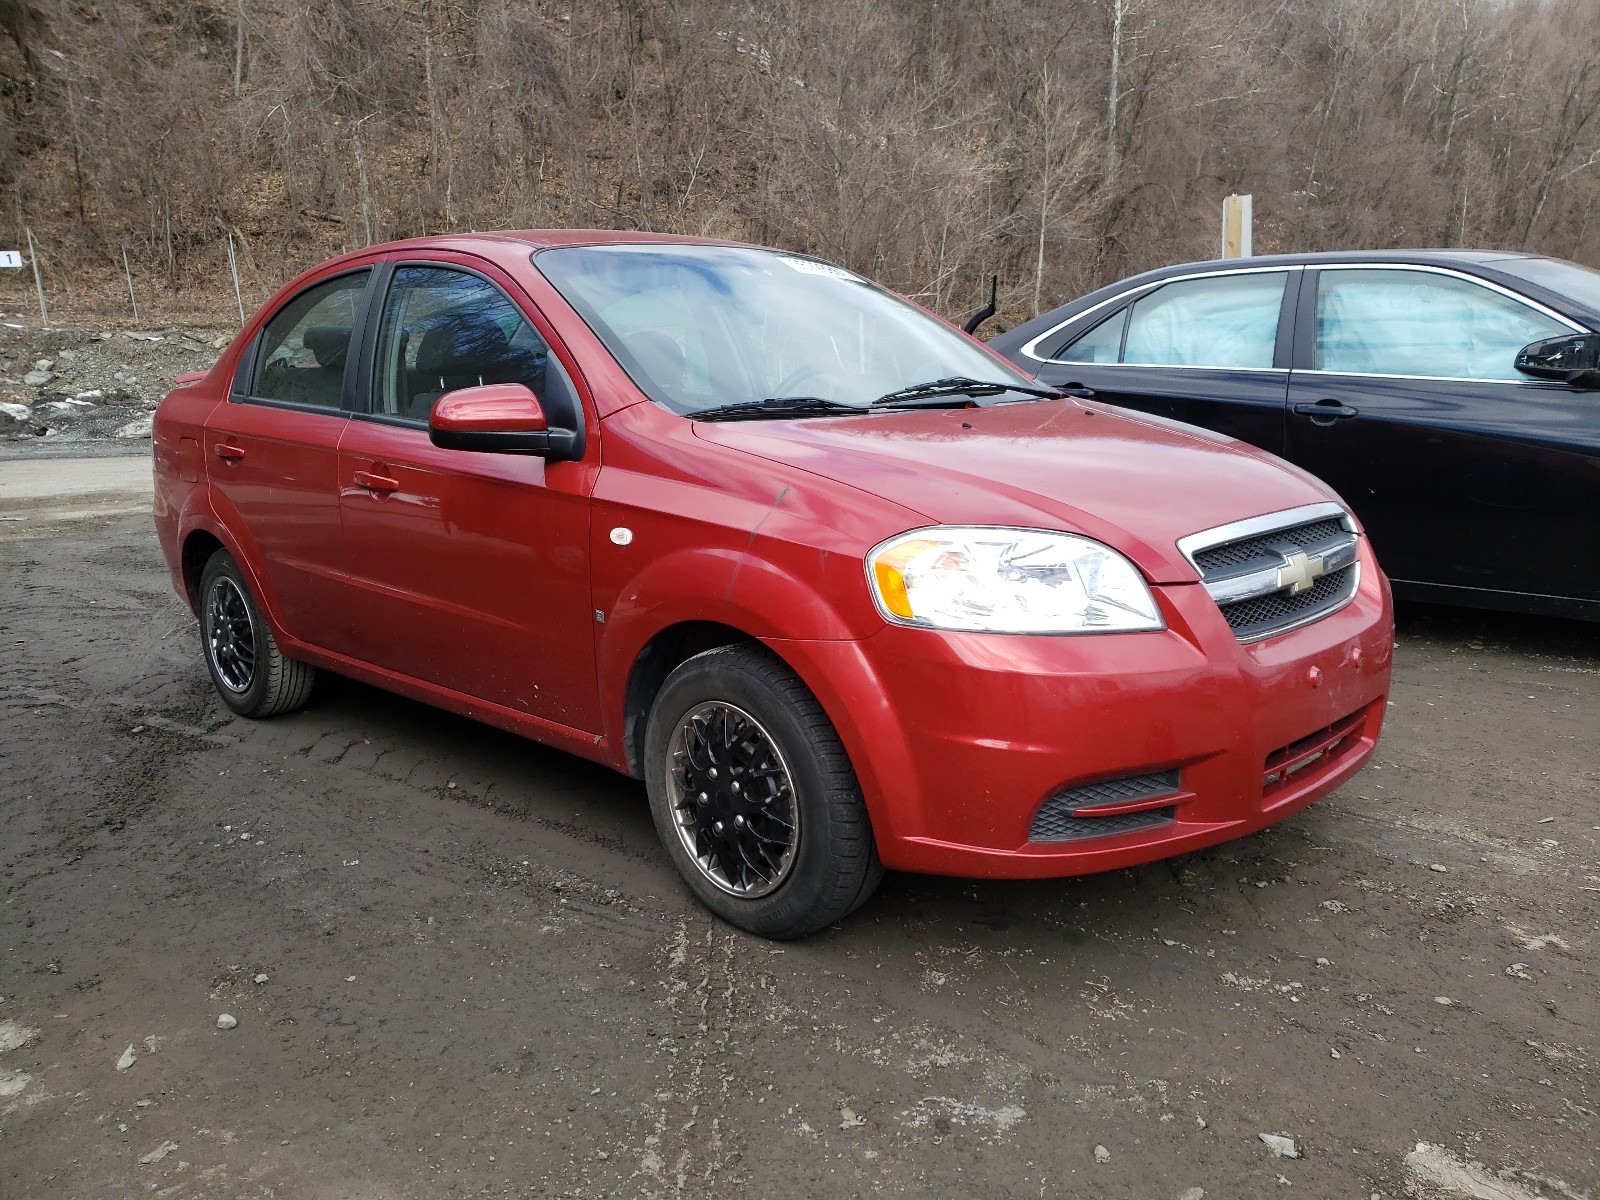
{"points": [[742, 765], [251, 675]]}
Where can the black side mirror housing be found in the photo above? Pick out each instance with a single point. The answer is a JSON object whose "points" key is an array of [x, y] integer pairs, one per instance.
{"points": [[1573, 359]]}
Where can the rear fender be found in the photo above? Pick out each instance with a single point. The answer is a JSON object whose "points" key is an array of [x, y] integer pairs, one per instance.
{"points": [[207, 510]]}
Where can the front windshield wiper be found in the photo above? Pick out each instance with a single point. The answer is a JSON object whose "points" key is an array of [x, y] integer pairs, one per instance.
{"points": [[959, 385], [778, 406]]}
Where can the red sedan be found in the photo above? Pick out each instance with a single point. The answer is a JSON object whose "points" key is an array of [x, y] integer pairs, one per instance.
{"points": [[844, 588]]}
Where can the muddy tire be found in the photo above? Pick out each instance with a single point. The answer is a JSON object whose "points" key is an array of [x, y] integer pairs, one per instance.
{"points": [[754, 797], [251, 675]]}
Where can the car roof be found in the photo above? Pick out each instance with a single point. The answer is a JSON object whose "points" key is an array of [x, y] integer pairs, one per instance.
{"points": [[506, 246], [1436, 258]]}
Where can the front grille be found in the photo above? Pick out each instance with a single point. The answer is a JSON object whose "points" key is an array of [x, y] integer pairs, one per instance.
{"points": [[1071, 816], [1253, 568], [1257, 552], [1263, 615]]}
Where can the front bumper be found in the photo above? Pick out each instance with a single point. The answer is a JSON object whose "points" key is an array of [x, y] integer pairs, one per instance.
{"points": [[959, 739]]}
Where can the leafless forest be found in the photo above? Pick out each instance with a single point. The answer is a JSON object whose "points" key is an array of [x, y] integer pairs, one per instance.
{"points": [[1056, 143]]}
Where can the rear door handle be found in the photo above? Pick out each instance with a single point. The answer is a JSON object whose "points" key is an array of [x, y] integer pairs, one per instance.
{"points": [[229, 453], [376, 483], [1075, 390], [1326, 412]]}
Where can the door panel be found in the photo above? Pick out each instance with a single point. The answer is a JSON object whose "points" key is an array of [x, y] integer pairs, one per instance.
{"points": [[1475, 484], [473, 570], [278, 470], [1247, 405], [1465, 473]]}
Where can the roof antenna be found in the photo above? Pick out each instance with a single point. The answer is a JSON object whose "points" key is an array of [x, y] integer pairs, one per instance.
{"points": [[987, 311]]}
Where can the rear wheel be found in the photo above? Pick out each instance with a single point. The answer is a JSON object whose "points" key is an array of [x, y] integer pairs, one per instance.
{"points": [[753, 795], [251, 675]]}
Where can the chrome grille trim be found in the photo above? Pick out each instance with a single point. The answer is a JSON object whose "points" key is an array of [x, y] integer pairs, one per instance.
{"points": [[1277, 572]]}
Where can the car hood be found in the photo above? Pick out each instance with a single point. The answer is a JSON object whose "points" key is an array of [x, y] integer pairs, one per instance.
{"points": [[1134, 482]]}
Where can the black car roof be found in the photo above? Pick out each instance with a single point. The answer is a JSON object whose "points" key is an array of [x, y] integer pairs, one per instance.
{"points": [[1434, 258]]}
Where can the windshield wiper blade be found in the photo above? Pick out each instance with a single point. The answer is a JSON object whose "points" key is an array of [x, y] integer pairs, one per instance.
{"points": [[778, 406], [960, 385]]}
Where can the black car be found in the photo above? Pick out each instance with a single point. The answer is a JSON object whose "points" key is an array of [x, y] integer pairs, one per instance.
{"points": [[1451, 397]]}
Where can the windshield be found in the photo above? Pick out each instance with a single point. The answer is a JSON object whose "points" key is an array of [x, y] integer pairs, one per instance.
{"points": [[703, 327], [1567, 278]]}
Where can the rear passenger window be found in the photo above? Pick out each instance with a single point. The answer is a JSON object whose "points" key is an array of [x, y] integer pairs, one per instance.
{"points": [[1222, 321], [304, 347], [443, 330]]}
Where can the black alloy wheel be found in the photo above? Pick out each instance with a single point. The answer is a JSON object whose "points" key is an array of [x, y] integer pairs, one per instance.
{"points": [[754, 797], [251, 674]]}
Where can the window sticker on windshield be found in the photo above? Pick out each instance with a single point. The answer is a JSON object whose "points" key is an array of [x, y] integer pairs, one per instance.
{"points": [[816, 268]]}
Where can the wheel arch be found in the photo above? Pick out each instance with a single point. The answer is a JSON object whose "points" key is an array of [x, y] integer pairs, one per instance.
{"points": [[198, 547], [664, 653]]}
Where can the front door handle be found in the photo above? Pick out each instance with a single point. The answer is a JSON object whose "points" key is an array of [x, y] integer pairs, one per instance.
{"points": [[1326, 412], [229, 453], [1076, 390], [376, 483]]}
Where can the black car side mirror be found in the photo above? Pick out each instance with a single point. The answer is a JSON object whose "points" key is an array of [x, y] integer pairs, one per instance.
{"points": [[1573, 358], [499, 418]]}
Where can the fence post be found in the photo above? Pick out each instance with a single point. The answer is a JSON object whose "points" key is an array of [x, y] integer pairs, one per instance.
{"points": [[127, 271], [233, 268], [1237, 217], [38, 280]]}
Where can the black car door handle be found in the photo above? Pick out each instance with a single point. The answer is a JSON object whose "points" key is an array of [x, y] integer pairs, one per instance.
{"points": [[1076, 390], [1326, 412]]}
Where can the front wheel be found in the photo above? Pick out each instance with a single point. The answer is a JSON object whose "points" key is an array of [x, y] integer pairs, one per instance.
{"points": [[754, 797], [251, 675]]}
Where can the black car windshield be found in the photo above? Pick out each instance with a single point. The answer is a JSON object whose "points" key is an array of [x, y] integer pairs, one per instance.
{"points": [[702, 327], [1558, 275]]}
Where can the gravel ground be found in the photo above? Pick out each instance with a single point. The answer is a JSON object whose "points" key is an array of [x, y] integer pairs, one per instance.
{"points": [[70, 388], [460, 965]]}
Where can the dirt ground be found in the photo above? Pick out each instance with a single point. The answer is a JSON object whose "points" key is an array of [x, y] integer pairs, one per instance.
{"points": [[460, 964]]}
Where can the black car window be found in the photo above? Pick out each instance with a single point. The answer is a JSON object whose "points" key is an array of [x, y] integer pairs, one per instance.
{"points": [[1102, 344], [444, 329], [1219, 321], [1388, 322], [304, 346]]}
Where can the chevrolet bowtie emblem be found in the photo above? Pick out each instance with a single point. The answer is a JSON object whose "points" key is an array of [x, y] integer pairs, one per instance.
{"points": [[1299, 572]]}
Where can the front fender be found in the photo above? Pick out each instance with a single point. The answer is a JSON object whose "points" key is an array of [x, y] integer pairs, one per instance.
{"points": [[712, 584]]}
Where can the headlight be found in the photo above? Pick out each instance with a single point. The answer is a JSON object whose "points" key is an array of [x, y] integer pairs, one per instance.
{"points": [[996, 580]]}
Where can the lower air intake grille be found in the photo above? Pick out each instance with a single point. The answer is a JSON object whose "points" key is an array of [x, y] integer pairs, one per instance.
{"points": [[1070, 816]]}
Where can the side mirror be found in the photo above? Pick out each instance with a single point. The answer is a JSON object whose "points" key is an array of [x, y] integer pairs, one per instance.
{"points": [[1573, 359], [499, 418]]}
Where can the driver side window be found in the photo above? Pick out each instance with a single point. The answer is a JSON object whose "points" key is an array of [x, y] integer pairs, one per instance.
{"points": [[443, 330], [1421, 323]]}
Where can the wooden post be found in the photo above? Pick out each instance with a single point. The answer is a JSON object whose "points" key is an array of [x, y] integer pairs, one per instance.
{"points": [[127, 272], [233, 267], [1237, 217], [38, 280]]}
